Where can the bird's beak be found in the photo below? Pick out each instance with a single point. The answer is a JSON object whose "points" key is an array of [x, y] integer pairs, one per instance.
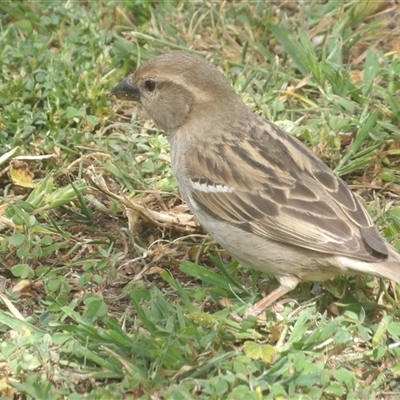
{"points": [[126, 90]]}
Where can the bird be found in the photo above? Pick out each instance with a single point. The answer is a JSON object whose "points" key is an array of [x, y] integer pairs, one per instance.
{"points": [[260, 192]]}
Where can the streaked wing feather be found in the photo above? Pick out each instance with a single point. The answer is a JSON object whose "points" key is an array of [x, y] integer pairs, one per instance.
{"points": [[272, 185]]}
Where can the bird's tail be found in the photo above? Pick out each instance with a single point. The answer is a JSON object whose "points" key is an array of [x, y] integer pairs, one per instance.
{"points": [[389, 269]]}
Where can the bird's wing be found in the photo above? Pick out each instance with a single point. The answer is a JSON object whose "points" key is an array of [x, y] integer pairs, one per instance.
{"points": [[270, 184]]}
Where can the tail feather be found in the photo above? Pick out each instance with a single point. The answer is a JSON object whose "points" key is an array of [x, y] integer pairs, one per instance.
{"points": [[389, 269]]}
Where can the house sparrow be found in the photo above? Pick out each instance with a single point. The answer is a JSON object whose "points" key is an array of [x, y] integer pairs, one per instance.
{"points": [[262, 194]]}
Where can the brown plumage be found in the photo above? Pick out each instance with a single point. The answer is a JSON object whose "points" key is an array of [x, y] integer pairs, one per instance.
{"points": [[260, 192]]}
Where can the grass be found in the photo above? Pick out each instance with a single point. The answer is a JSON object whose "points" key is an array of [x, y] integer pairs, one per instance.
{"points": [[104, 292]]}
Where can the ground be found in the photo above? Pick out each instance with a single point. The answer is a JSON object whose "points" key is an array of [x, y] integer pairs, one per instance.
{"points": [[109, 288]]}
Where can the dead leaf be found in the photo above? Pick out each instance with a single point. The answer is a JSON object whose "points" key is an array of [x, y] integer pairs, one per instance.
{"points": [[20, 174], [22, 285]]}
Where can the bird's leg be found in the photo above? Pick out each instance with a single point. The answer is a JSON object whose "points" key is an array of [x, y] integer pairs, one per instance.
{"points": [[287, 284]]}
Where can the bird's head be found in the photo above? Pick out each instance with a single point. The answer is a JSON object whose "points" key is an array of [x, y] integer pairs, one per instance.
{"points": [[171, 86]]}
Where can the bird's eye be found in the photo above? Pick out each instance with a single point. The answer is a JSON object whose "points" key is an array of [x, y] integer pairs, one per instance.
{"points": [[149, 85]]}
